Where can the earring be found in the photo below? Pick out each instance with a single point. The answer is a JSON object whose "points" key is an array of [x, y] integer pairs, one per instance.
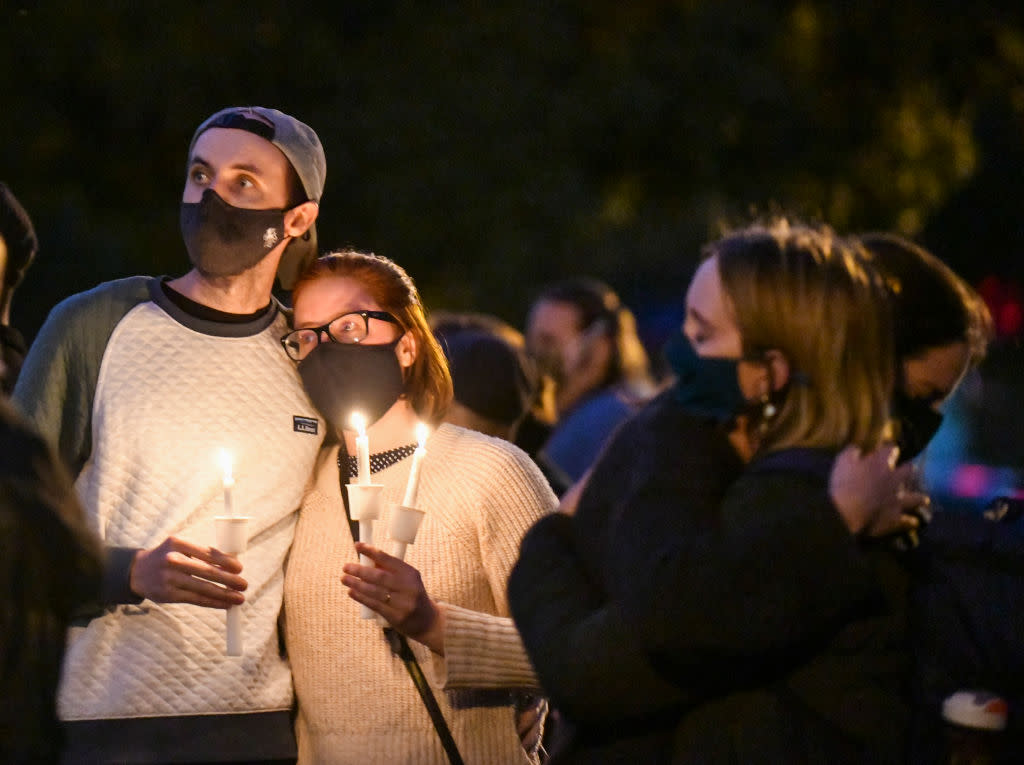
{"points": [[768, 409]]}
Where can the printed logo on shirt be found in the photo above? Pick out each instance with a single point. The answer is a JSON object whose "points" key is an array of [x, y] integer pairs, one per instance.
{"points": [[305, 424]]}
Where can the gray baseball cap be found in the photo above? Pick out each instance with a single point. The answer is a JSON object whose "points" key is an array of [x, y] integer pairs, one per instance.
{"points": [[301, 146]]}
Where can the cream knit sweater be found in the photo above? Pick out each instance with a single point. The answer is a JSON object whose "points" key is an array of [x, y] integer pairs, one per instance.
{"points": [[356, 702]]}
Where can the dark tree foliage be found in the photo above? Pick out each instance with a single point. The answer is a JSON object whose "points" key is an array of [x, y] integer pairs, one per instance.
{"points": [[492, 146]]}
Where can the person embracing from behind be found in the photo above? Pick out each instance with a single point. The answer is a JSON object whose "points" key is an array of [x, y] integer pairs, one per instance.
{"points": [[362, 345], [962, 586], [942, 327], [140, 384]]}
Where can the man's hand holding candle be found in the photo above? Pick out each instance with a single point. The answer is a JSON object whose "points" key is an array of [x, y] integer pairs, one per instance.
{"points": [[177, 571], [394, 589]]}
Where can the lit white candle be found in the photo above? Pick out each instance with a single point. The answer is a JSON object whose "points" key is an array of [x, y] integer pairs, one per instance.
{"points": [[362, 448], [231, 538], [232, 533], [229, 482], [413, 486]]}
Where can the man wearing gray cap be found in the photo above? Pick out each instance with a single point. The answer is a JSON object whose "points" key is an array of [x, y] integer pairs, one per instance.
{"points": [[145, 385]]}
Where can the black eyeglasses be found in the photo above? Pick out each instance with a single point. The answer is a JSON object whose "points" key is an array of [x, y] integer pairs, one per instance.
{"points": [[349, 328]]}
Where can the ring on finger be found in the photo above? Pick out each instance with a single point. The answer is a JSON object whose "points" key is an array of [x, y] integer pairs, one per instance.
{"points": [[387, 597]]}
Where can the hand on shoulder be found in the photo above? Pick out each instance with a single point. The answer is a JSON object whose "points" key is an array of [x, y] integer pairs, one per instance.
{"points": [[873, 495]]}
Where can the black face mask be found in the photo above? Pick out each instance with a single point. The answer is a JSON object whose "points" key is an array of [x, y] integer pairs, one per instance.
{"points": [[223, 240], [705, 385], [917, 423], [343, 378]]}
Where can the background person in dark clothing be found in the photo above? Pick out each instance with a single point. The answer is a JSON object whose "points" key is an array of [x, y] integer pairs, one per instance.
{"points": [[493, 380], [942, 327], [498, 389], [962, 593], [50, 565], [18, 245]]}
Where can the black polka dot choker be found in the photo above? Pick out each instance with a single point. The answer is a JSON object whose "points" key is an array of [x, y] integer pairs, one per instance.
{"points": [[381, 460]]}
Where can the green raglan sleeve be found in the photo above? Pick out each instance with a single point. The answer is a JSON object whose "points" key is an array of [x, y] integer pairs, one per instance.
{"points": [[58, 379], [57, 385]]}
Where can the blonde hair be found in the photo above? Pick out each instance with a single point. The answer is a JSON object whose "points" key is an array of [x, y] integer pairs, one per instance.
{"points": [[428, 383], [807, 293]]}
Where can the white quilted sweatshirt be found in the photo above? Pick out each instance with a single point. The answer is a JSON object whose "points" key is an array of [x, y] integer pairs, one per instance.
{"points": [[145, 397]]}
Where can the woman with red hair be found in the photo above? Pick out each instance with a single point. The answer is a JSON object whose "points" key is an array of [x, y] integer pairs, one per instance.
{"points": [[362, 344]]}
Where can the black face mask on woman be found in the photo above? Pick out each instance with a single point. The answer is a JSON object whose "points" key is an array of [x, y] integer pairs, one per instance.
{"points": [[917, 424], [708, 386], [223, 240], [342, 378]]}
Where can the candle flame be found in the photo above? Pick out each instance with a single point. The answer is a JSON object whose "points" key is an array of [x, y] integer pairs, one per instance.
{"points": [[421, 435], [359, 423], [225, 462]]}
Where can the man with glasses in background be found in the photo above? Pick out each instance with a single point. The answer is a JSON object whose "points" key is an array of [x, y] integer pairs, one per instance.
{"points": [[142, 384]]}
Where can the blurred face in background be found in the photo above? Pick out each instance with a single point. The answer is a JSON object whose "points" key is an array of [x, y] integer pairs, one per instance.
{"points": [[934, 374], [577, 361], [552, 328]]}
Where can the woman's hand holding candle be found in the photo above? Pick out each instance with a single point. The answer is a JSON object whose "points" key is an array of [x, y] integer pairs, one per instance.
{"points": [[394, 589]]}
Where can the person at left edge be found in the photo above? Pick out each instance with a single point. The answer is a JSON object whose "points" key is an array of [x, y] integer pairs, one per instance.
{"points": [[18, 246], [140, 383]]}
